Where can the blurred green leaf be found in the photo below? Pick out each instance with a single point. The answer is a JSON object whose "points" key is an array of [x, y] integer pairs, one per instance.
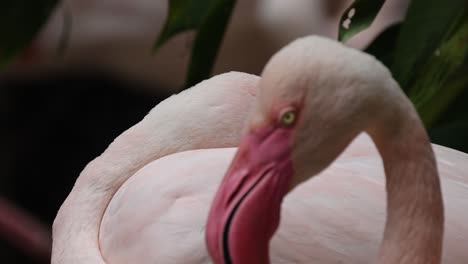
{"points": [[20, 21], [428, 56], [208, 42], [425, 54], [357, 17], [427, 25], [383, 47], [209, 18], [452, 135], [458, 108], [183, 15], [452, 130], [442, 78]]}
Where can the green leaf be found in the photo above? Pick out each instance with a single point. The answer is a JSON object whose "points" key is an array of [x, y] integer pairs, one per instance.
{"points": [[458, 108], [442, 78], [209, 18], [427, 25], [451, 129], [183, 15], [452, 135], [208, 42], [383, 47], [20, 22], [357, 17]]}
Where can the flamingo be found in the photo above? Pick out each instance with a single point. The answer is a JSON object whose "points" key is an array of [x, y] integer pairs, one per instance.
{"points": [[303, 121], [147, 198]]}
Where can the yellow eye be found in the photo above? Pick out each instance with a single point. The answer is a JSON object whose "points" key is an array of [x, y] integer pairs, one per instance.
{"points": [[288, 117]]}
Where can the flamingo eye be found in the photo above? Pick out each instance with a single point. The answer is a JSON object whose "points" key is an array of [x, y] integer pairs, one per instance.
{"points": [[288, 117]]}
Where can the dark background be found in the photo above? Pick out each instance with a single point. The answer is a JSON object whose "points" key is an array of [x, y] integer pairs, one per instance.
{"points": [[51, 128]]}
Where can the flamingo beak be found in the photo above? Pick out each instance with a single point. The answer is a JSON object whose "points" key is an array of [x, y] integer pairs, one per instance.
{"points": [[245, 212]]}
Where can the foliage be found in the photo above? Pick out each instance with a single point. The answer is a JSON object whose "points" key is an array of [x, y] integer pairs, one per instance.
{"points": [[428, 56], [209, 18], [424, 53], [428, 24], [383, 46], [427, 52], [20, 21], [357, 17]]}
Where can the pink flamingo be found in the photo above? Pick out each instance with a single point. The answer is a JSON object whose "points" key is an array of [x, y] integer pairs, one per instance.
{"points": [[146, 198]]}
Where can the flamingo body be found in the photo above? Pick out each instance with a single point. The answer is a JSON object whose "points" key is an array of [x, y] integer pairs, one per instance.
{"points": [[159, 214], [146, 198]]}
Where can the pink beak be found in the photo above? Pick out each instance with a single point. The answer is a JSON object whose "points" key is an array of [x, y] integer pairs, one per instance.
{"points": [[245, 212]]}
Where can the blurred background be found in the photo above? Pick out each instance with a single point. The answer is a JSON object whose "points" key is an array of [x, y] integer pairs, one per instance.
{"points": [[59, 110]]}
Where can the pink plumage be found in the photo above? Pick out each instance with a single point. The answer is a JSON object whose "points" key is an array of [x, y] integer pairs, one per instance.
{"points": [[146, 198]]}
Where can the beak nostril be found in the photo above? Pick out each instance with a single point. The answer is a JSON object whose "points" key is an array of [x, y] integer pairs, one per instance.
{"points": [[236, 191]]}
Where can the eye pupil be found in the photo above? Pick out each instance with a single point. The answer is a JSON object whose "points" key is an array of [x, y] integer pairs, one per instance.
{"points": [[288, 118]]}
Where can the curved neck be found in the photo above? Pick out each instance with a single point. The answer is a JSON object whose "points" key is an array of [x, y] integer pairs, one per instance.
{"points": [[167, 129], [415, 215]]}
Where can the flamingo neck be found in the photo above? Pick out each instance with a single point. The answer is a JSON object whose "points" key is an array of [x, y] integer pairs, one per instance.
{"points": [[415, 215]]}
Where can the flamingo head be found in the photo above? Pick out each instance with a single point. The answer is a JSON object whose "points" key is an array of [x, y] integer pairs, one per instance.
{"points": [[315, 96]]}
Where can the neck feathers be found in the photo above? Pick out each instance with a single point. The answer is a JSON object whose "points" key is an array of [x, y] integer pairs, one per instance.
{"points": [[415, 214]]}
